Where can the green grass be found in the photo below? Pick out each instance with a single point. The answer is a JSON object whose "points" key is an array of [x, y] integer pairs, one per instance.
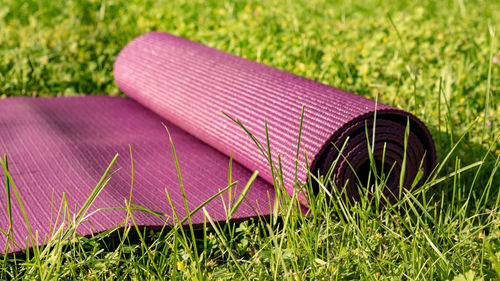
{"points": [[435, 59]]}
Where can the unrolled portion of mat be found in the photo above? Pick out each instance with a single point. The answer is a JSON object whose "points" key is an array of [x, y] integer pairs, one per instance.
{"points": [[191, 84], [59, 146]]}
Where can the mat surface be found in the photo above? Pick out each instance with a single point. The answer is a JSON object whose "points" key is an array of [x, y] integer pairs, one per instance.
{"points": [[58, 145]]}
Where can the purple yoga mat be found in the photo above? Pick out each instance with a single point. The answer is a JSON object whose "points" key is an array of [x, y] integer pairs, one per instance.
{"points": [[63, 145]]}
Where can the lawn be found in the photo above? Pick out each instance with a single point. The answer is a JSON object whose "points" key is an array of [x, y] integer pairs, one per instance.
{"points": [[437, 59]]}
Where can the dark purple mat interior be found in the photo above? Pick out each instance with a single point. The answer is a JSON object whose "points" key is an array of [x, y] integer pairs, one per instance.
{"points": [[63, 145]]}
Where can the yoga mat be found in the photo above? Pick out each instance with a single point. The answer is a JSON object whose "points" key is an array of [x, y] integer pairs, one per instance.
{"points": [[62, 146]]}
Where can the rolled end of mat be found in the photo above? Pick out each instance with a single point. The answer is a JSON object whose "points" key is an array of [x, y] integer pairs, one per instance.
{"points": [[400, 144], [190, 85]]}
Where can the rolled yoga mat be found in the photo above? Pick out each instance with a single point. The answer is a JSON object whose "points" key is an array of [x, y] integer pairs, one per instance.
{"points": [[63, 145]]}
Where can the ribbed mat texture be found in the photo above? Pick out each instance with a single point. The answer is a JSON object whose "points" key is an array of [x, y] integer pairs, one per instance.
{"points": [[62, 146]]}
